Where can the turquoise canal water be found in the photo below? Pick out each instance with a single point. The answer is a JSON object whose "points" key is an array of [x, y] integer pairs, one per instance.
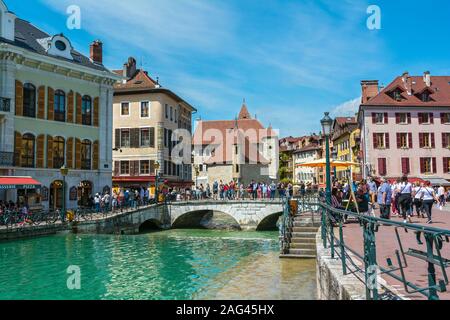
{"points": [[169, 265]]}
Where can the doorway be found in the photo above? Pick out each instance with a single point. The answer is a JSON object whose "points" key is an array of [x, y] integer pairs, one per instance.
{"points": [[56, 195]]}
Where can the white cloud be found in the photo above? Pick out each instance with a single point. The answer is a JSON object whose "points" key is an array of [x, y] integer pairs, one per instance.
{"points": [[348, 108]]}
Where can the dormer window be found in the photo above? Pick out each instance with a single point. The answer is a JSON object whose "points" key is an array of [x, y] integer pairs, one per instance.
{"points": [[61, 46], [425, 96], [397, 95]]}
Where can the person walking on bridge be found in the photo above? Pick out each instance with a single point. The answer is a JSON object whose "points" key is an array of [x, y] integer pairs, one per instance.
{"points": [[404, 200]]}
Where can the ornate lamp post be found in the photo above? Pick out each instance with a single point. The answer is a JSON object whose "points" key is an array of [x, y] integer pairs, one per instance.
{"points": [[197, 172], [64, 172], [327, 122], [157, 166]]}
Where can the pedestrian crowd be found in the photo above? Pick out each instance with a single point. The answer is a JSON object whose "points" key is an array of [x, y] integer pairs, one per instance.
{"points": [[400, 198]]}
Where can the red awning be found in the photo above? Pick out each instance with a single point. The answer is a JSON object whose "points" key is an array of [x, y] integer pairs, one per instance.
{"points": [[19, 183]]}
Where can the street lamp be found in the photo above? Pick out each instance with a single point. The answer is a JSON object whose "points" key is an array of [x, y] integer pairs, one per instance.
{"points": [[64, 172], [157, 166], [327, 122]]}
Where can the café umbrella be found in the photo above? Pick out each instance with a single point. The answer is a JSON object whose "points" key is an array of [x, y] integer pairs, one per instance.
{"points": [[321, 163]]}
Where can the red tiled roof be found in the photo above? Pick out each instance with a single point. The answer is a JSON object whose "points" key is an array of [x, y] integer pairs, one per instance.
{"points": [[439, 93], [140, 80]]}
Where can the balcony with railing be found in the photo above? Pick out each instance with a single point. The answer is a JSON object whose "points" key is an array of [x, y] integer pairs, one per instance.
{"points": [[5, 105], [6, 159]]}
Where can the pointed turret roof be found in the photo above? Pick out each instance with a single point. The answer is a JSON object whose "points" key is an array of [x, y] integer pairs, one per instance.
{"points": [[244, 114]]}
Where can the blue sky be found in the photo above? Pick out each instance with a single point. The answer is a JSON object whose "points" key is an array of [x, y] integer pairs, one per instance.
{"points": [[291, 60]]}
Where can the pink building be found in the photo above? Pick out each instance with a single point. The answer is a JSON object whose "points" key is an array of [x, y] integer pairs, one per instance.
{"points": [[405, 128]]}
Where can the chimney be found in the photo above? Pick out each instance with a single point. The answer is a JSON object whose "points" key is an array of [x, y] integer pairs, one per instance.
{"points": [[129, 68], [369, 89], [405, 76], [97, 52], [427, 78]]}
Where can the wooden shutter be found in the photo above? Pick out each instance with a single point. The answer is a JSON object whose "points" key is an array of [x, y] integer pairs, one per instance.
{"points": [[410, 138], [134, 138], [19, 98], [442, 118], [422, 165], [386, 141], [374, 117], [420, 116], [49, 152], [78, 111], [399, 145], [433, 142], [444, 140], [70, 107], [445, 165], [95, 155], [77, 154], [50, 104], [69, 153], [17, 149], [40, 151], [431, 118], [41, 102], [421, 140], [116, 168], [382, 166], [405, 166], [152, 137], [409, 118], [375, 143], [117, 139], [386, 118], [434, 165], [96, 111], [397, 118]]}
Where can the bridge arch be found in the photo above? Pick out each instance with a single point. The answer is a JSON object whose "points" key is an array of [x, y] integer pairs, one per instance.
{"points": [[206, 219], [269, 222], [150, 225]]}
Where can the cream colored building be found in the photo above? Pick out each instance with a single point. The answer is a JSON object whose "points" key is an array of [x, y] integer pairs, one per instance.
{"points": [[145, 117], [55, 110], [241, 150]]}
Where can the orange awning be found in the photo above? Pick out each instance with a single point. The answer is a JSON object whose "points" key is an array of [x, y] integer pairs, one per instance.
{"points": [[19, 183]]}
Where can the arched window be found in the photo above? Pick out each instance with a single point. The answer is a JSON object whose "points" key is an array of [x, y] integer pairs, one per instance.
{"points": [[27, 156], [58, 152], [29, 100], [60, 106], [86, 155], [86, 110]]}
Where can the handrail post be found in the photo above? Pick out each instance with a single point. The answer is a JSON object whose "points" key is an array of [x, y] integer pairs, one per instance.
{"points": [[324, 227], [341, 244], [331, 237], [370, 261], [432, 292]]}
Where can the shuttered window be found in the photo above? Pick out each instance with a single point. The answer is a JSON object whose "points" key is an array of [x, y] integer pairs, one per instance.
{"points": [[70, 107], [382, 170], [405, 166], [79, 113], [29, 100], [50, 104], [96, 155], [41, 103], [445, 140], [77, 154], [40, 151], [28, 151], [69, 153], [60, 106], [58, 152], [19, 98], [446, 165], [50, 152], [86, 155], [428, 165], [86, 110], [96, 112]]}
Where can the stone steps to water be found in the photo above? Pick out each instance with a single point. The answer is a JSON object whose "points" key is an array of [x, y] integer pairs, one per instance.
{"points": [[303, 237]]}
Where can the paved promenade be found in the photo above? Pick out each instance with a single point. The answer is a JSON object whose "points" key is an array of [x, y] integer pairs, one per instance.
{"points": [[387, 244]]}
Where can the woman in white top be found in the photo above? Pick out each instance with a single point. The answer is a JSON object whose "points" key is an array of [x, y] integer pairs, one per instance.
{"points": [[417, 192], [428, 197], [404, 190]]}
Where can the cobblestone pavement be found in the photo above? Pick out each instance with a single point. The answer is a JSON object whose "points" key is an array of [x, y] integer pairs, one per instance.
{"points": [[387, 244]]}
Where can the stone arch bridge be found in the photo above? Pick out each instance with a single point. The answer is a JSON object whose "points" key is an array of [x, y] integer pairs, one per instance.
{"points": [[244, 215]]}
